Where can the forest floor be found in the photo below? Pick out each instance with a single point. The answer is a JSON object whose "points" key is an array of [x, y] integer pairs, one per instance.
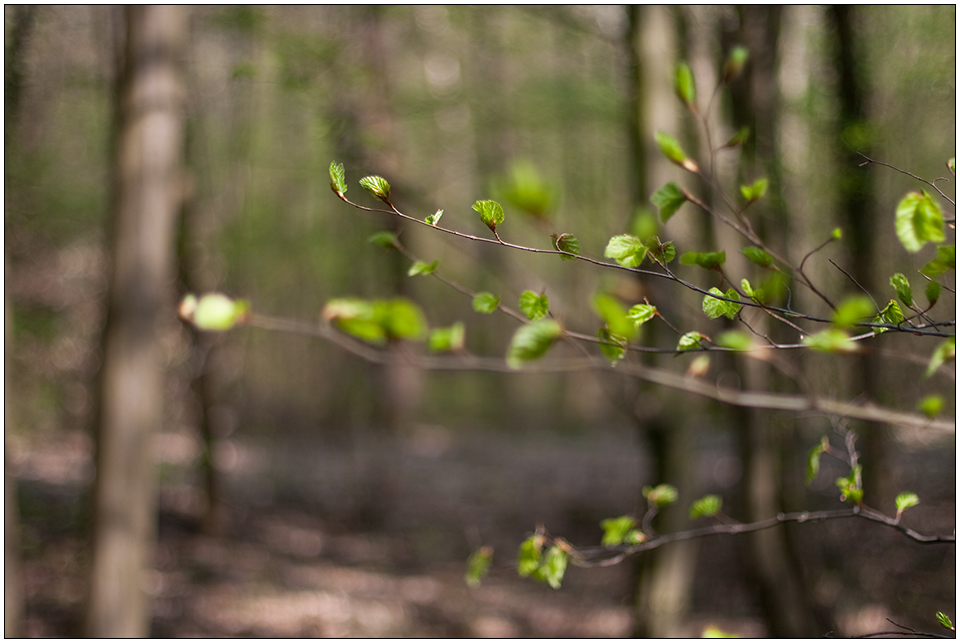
{"points": [[369, 540]]}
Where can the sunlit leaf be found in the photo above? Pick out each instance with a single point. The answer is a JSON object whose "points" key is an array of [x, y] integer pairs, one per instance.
{"points": [[713, 307], [690, 341], [943, 353], [214, 311], [919, 220], [641, 314], [446, 339], [755, 191], [491, 213], [942, 618], [672, 150], [709, 260], [850, 489], [668, 200], [852, 310], [612, 346], [377, 186], [614, 314], [944, 261], [736, 59], [833, 340], [422, 268], [566, 243], [707, 506], [615, 530], [532, 341], [813, 461], [485, 302], [534, 306], [661, 495], [434, 219], [758, 256], [553, 566], [901, 285], [891, 314], [906, 500], [930, 405], [626, 250], [338, 181], [528, 556], [714, 632], [685, 86], [477, 566], [735, 340]]}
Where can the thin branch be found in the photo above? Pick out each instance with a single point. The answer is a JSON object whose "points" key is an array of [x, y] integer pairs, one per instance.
{"points": [[910, 174]]}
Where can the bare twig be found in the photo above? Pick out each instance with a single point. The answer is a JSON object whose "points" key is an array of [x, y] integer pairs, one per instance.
{"points": [[910, 174]]}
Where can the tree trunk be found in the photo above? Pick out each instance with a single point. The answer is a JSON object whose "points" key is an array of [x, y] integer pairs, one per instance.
{"points": [[140, 306]]}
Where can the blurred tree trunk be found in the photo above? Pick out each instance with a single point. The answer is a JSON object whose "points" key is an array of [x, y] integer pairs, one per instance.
{"points": [[13, 73], [857, 204], [147, 177], [664, 575], [771, 558]]}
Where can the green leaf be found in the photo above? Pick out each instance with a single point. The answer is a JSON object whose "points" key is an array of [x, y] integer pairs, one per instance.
{"points": [[714, 632], [615, 530], [837, 234], [422, 268], [214, 311], [446, 339], [943, 619], [713, 307], [566, 243], [930, 405], [891, 314], [661, 495], [750, 292], [813, 461], [850, 489], [708, 260], [525, 189], [952, 165], [384, 239], [758, 256], [477, 566], [626, 250], [377, 186], [919, 220], [612, 346], [944, 261], [614, 314], [739, 138], [685, 86], [901, 284], [553, 567], [434, 219], [528, 557], [337, 178], [906, 500], [932, 291], [491, 213], [707, 506], [736, 340], [531, 341], [662, 253], [690, 341], [534, 306], [400, 318], [485, 302], [852, 310], [668, 200], [641, 313], [943, 353], [735, 62], [832, 340], [672, 150], [753, 192]]}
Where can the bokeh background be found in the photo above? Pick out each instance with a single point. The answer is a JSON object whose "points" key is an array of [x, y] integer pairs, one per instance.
{"points": [[347, 496]]}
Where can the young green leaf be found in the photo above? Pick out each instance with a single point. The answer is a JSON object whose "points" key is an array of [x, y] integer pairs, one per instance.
{"points": [[707, 506], [850, 489], [377, 186], [338, 182], [813, 461], [442, 340], [477, 566], [662, 253], [919, 220], [668, 200], [952, 165], [905, 501], [944, 261], [713, 632], [932, 291], [753, 192], [626, 250], [736, 340], [566, 243], [942, 618], [943, 353], [491, 213], [672, 150], [837, 234], [832, 340], [214, 311], [852, 310], [422, 268], [735, 62], [901, 284], [690, 341], [641, 314], [434, 219], [553, 567], [739, 138], [758, 256], [531, 341], [891, 314], [384, 239], [615, 530], [534, 306], [685, 86], [528, 557], [713, 307], [661, 495], [612, 346], [708, 260], [930, 405], [355, 317], [615, 315], [485, 302], [400, 318]]}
